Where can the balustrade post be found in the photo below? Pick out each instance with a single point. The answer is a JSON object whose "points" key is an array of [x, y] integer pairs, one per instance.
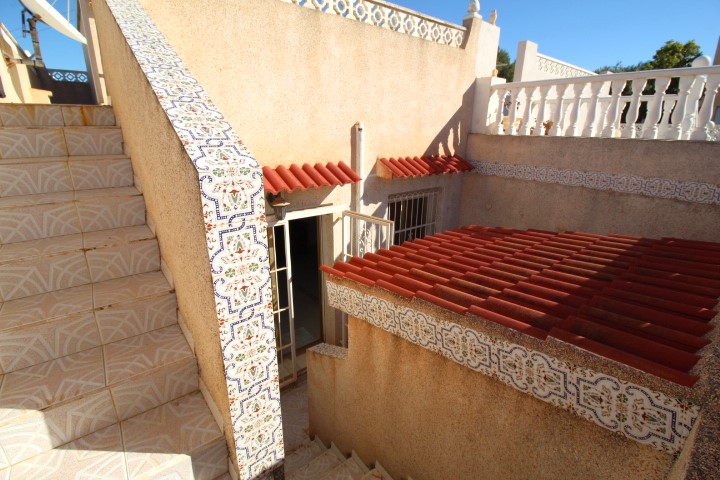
{"points": [[704, 123], [655, 108], [558, 118], [527, 124], [612, 123], [577, 91], [592, 121], [512, 111], [638, 86], [686, 84], [502, 94], [542, 111]]}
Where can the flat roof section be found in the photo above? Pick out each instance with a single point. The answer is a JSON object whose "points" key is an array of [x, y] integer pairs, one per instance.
{"points": [[645, 303]]}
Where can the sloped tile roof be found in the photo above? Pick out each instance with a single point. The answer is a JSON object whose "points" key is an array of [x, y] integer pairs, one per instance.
{"points": [[642, 302], [409, 167], [296, 177]]}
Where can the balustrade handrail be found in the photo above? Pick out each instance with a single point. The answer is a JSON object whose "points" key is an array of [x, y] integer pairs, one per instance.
{"points": [[607, 77]]}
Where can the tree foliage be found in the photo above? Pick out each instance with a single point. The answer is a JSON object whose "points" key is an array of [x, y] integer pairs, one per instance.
{"points": [[506, 69], [671, 55]]}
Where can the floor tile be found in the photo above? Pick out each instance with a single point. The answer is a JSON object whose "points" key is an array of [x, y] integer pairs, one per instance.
{"points": [[27, 346], [29, 310], [96, 456], [105, 238], [92, 174], [99, 193], [37, 275], [110, 212], [296, 423], [141, 394], [50, 383], [88, 115], [123, 260], [40, 221], [32, 142], [36, 199], [44, 246], [128, 289], [34, 178], [138, 355], [42, 431], [26, 115], [93, 140], [129, 319]]}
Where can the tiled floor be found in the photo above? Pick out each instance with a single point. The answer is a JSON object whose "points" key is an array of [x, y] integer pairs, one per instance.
{"points": [[296, 424]]}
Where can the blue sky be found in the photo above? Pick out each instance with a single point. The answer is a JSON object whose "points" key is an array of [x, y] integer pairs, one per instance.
{"points": [[587, 33]]}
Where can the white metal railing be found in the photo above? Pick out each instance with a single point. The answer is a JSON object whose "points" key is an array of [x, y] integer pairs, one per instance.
{"points": [[390, 16], [558, 68], [675, 104]]}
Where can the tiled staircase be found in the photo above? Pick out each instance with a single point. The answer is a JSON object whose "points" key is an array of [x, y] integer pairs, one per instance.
{"points": [[314, 461], [96, 377]]}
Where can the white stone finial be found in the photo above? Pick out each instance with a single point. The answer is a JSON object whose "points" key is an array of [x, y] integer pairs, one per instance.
{"points": [[474, 7]]}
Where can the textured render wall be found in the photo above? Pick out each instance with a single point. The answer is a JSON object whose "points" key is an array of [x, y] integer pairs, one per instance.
{"points": [[544, 196], [425, 416]]}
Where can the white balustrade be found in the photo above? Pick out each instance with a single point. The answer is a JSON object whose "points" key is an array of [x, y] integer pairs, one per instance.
{"points": [[558, 68], [620, 105], [390, 16]]}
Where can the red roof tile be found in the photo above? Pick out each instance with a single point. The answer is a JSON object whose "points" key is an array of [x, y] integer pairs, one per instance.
{"points": [[409, 167], [642, 302], [282, 179]]}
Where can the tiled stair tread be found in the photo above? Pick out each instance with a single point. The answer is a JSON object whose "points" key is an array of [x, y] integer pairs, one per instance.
{"points": [[377, 473], [350, 469], [63, 197], [304, 455], [54, 141], [123, 366], [319, 466], [173, 439], [63, 158], [11, 252], [121, 290], [18, 115]]}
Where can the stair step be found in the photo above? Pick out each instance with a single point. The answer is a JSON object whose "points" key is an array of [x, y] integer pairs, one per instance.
{"points": [[43, 327], [319, 466], [304, 455], [80, 393], [33, 217], [377, 473], [23, 142], [351, 469], [44, 265], [176, 440], [28, 115]]}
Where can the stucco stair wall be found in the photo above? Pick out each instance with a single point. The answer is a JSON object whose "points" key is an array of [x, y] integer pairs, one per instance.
{"points": [[96, 376]]}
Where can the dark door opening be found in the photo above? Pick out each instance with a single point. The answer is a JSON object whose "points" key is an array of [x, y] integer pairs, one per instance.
{"points": [[304, 258]]}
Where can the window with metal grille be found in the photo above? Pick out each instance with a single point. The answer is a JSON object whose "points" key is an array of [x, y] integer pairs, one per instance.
{"points": [[414, 214]]}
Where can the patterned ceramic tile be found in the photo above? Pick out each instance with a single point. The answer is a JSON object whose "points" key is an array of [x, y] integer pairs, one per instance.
{"points": [[233, 207], [98, 456], [33, 178], [42, 274], [105, 238], [99, 116], [41, 221], [694, 192], [41, 431], [22, 115], [40, 386], [36, 248], [110, 212], [129, 289], [36, 199], [123, 260], [47, 306], [129, 319], [26, 346], [139, 355], [32, 142], [182, 426], [91, 174], [147, 392], [94, 140], [641, 414]]}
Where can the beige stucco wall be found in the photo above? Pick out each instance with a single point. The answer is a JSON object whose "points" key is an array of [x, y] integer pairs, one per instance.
{"points": [[490, 200], [424, 416], [170, 186]]}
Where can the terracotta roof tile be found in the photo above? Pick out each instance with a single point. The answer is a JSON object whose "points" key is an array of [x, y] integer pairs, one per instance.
{"points": [[642, 302], [283, 179], [410, 167]]}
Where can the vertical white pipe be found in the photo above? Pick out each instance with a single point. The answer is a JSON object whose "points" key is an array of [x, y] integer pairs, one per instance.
{"points": [[359, 167]]}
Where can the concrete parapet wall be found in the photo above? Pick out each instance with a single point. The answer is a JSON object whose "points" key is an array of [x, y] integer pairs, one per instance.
{"points": [[634, 187]]}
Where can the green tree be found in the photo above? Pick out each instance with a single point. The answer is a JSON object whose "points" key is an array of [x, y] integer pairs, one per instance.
{"points": [[674, 55], [506, 69]]}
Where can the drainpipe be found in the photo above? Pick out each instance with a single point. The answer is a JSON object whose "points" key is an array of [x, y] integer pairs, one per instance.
{"points": [[359, 167]]}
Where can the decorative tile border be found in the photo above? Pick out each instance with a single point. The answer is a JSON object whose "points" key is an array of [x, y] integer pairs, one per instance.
{"points": [[234, 211], [693, 192], [648, 417]]}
